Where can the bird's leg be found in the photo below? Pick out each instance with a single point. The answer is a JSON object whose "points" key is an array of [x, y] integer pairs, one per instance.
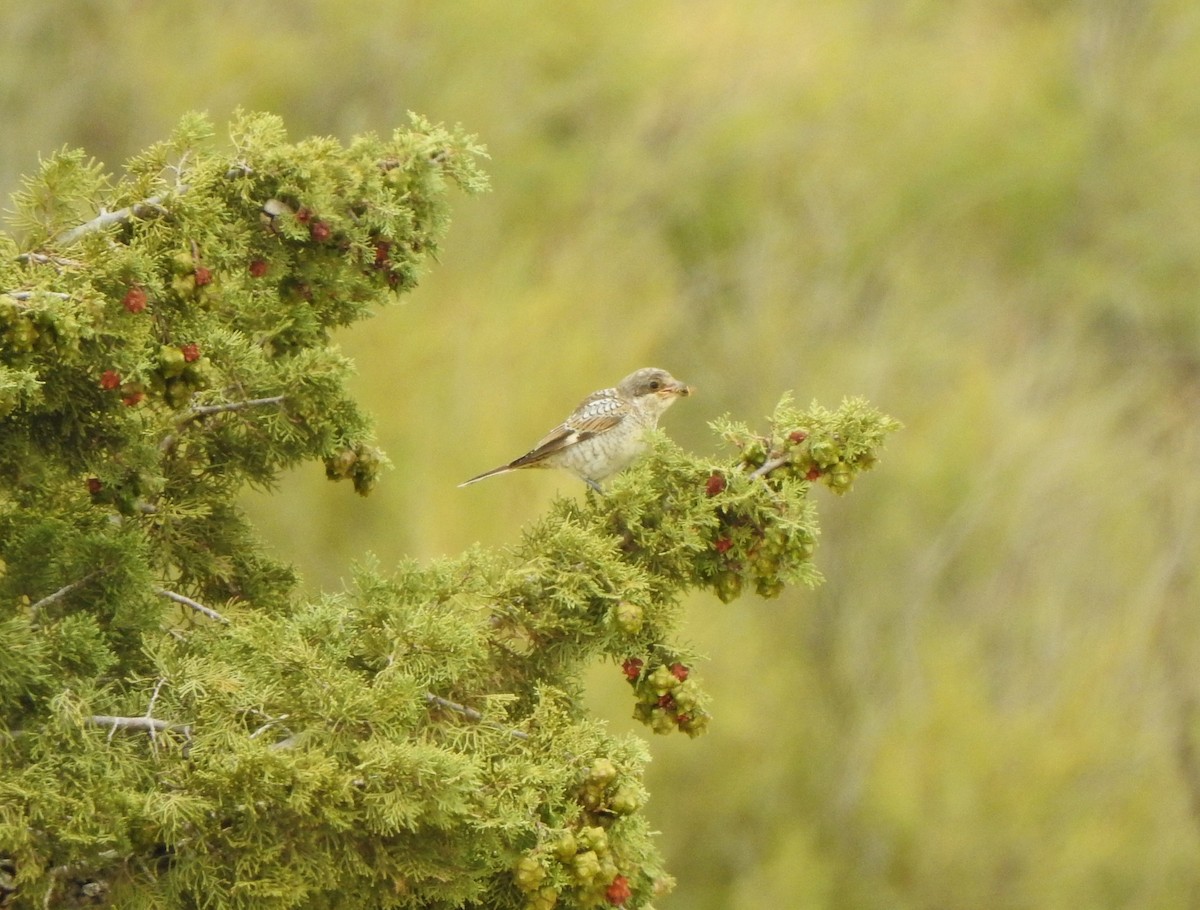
{"points": [[595, 486]]}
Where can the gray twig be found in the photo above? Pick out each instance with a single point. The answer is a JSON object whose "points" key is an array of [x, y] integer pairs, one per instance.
{"points": [[143, 209], [193, 604], [29, 295], [205, 410], [151, 724], [768, 466], [60, 593]]}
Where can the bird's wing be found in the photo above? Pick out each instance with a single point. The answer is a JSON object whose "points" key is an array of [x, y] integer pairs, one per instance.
{"points": [[598, 413]]}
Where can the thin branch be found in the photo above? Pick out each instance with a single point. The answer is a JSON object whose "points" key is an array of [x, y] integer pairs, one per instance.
{"points": [[269, 724], [769, 466], [472, 714], [150, 724], [205, 410], [46, 259], [143, 209], [168, 441], [149, 709], [29, 295], [195, 605], [61, 592]]}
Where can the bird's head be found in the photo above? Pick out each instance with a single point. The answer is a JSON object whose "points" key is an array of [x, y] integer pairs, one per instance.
{"points": [[653, 385]]}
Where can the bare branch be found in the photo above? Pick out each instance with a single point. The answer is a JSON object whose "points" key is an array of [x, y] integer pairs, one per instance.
{"points": [[150, 724], [45, 259], [769, 466], [144, 209], [29, 295], [61, 593], [205, 410], [193, 604]]}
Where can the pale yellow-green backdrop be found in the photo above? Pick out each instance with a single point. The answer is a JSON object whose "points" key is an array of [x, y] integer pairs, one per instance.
{"points": [[982, 215]]}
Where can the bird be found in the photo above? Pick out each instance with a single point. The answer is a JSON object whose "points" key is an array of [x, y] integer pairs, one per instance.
{"points": [[606, 433]]}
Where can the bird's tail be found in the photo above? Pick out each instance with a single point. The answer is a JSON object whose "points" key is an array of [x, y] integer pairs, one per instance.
{"points": [[503, 469]]}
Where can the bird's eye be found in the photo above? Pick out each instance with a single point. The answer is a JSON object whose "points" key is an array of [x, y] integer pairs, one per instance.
{"points": [[655, 385]]}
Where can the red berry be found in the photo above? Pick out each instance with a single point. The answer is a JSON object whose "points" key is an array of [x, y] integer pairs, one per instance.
{"points": [[110, 379], [797, 436], [618, 892], [666, 701], [715, 485], [632, 667], [258, 268], [134, 300], [723, 545], [190, 351], [203, 276], [319, 231], [679, 671], [813, 474], [133, 398], [382, 250], [94, 485], [304, 216]]}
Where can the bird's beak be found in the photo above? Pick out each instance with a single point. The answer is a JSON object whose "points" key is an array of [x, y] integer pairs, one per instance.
{"points": [[682, 389]]}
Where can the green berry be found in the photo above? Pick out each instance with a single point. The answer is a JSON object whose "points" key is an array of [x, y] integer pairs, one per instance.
{"points": [[594, 839], [728, 586], [586, 866], [602, 772], [626, 800], [544, 899], [662, 680], [171, 361], [768, 587], [566, 846], [662, 722], [693, 724], [840, 477], [529, 873], [823, 451], [630, 618]]}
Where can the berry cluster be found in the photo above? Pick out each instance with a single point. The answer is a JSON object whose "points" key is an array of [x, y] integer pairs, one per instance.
{"points": [[804, 453], [753, 546], [604, 795], [580, 860], [361, 465], [321, 235], [24, 331], [179, 372], [192, 280], [766, 535], [667, 698]]}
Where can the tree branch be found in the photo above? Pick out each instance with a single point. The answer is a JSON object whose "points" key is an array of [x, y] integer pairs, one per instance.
{"points": [[45, 259], [205, 410], [29, 295], [143, 209], [768, 466], [60, 593], [195, 605], [149, 724]]}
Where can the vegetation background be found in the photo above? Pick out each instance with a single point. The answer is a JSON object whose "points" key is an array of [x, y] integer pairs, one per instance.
{"points": [[984, 216]]}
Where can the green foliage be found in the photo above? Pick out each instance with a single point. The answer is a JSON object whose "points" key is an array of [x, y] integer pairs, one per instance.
{"points": [[181, 726]]}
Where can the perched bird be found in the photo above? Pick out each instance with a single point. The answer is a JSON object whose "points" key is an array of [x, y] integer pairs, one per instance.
{"points": [[606, 432]]}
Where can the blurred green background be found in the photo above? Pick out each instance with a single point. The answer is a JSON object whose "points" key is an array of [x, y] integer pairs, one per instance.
{"points": [[982, 215]]}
